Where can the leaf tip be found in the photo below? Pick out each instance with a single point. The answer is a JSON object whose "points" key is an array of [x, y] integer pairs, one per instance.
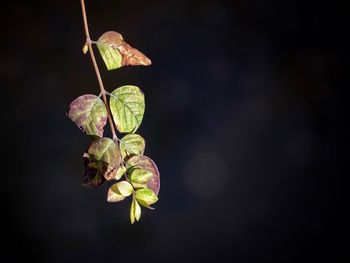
{"points": [[137, 211]]}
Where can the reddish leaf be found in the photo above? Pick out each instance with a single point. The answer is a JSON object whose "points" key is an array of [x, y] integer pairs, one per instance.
{"points": [[111, 42]]}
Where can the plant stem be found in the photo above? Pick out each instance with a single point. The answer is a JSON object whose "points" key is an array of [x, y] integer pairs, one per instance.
{"points": [[97, 71]]}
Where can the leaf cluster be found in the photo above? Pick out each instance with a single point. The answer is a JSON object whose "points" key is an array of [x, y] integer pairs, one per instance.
{"points": [[111, 159]]}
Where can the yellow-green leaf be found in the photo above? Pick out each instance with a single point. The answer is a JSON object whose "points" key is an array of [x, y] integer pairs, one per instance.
{"points": [[127, 105], [109, 52], [114, 194], [132, 144], [124, 188], [135, 211], [146, 197], [140, 176]]}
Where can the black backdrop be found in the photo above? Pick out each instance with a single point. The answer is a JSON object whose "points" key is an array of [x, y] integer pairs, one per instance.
{"points": [[240, 118]]}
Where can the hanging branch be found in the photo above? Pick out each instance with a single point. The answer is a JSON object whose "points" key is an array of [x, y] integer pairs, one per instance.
{"points": [[106, 159], [97, 71]]}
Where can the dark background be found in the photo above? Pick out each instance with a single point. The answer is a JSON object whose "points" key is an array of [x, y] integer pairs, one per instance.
{"points": [[241, 118]]}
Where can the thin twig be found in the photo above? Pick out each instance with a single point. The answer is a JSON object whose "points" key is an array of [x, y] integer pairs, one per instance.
{"points": [[97, 71]]}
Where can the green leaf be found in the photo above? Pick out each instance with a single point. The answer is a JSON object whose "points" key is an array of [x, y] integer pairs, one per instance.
{"points": [[140, 176], [146, 163], [124, 188], [107, 45], [146, 197], [102, 161], [127, 105], [132, 144], [114, 194], [116, 52], [89, 114]]}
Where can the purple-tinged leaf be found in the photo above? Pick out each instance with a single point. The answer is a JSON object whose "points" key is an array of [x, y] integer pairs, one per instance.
{"points": [[146, 163], [89, 114]]}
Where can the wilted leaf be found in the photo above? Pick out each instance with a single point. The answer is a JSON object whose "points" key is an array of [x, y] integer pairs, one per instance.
{"points": [[89, 113], [140, 176], [91, 178], [101, 162], [114, 194], [132, 144], [127, 105], [146, 163], [116, 52], [146, 197]]}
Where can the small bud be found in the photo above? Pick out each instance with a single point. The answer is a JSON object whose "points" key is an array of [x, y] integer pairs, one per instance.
{"points": [[85, 49]]}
